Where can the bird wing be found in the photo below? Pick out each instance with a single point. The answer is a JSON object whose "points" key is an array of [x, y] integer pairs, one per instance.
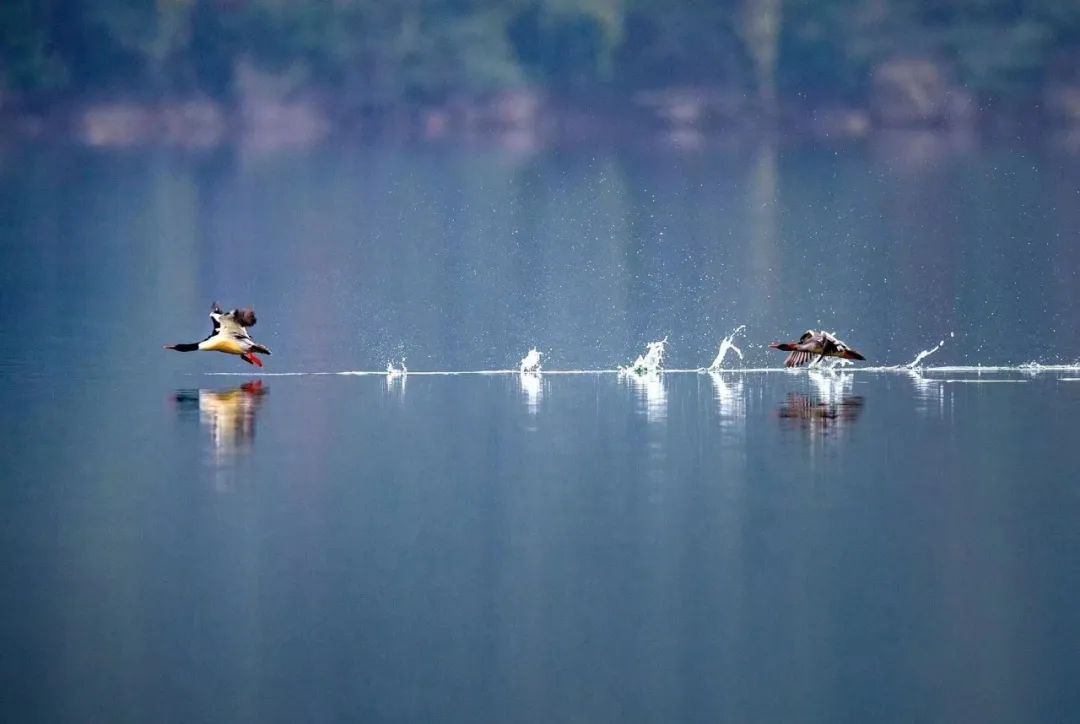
{"points": [[215, 315], [244, 317], [797, 358], [232, 324], [836, 344]]}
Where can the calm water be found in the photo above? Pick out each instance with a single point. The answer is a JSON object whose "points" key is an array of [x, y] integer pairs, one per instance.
{"points": [[182, 546]]}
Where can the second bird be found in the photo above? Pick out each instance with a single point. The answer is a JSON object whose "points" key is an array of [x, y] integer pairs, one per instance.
{"points": [[815, 345]]}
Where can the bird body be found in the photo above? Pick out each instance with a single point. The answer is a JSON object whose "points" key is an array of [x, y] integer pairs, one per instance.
{"points": [[815, 344], [229, 335]]}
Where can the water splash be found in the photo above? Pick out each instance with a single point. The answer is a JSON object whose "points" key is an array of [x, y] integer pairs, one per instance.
{"points": [[831, 389], [726, 345], [396, 376], [531, 361], [828, 363], [913, 364], [1030, 369], [650, 363], [644, 375], [1033, 368]]}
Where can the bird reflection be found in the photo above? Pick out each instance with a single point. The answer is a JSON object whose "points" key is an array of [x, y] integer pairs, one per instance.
{"points": [[828, 409], [229, 415]]}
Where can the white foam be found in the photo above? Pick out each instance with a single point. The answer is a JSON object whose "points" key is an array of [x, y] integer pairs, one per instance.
{"points": [[392, 371], [650, 363], [828, 363], [726, 345], [531, 361], [913, 364], [1030, 369]]}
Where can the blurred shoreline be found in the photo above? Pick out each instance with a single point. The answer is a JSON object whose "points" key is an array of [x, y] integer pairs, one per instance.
{"points": [[201, 73], [681, 116]]}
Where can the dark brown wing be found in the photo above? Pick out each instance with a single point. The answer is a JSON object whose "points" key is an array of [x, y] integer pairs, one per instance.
{"points": [[806, 336], [852, 354], [244, 317]]}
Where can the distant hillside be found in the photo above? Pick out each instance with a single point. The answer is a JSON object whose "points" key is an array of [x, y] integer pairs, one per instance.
{"points": [[845, 65]]}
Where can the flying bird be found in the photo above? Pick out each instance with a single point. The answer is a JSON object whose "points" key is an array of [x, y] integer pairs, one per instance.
{"points": [[230, 335], [815, 344]]}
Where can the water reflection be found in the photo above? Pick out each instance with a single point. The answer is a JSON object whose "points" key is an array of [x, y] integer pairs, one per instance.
{"points": [[532, 387], [829, 408], [651, 392], [929, 394], [395, 382], [229, 415], [730, 399]]}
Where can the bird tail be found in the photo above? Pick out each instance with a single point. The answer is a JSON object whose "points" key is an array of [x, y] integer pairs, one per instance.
{"points": [[260, 349], [852, 354]]}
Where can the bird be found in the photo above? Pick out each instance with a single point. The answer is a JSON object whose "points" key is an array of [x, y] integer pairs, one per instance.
{"points": [[815, 344], [229, 335]]}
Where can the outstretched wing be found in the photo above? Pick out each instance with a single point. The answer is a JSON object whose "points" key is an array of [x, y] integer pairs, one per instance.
{"points": [[229, 324], [234, 323], [215, 316], [798, 358], [835, 345], [837, 348]]}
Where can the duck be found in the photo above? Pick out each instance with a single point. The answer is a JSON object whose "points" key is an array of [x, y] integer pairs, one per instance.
{"points": [[815, 344], [230, 335]]}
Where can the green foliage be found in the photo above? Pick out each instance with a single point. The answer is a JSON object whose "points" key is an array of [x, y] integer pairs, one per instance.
{"points": [[828, 48], [381, 53], [26, 60], [567, 44], [681, 41]]}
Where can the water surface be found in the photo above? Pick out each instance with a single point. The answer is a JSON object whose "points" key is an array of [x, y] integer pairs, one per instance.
{"points": [[863, 546]]}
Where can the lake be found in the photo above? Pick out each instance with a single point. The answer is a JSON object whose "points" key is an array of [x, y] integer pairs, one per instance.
{"points": [[186, 538]]}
